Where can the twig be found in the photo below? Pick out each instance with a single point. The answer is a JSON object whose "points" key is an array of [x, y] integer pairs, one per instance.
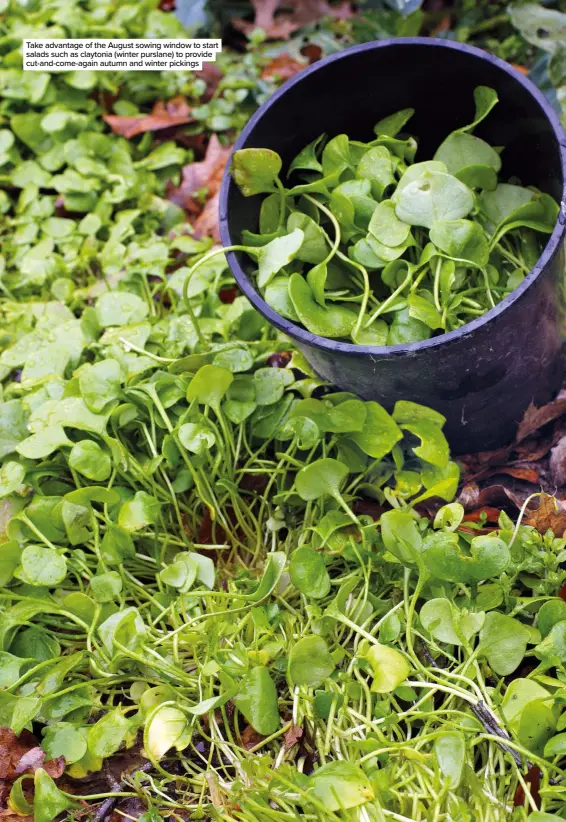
{"points": [[109, 804], [487, 719], [489, 722]]}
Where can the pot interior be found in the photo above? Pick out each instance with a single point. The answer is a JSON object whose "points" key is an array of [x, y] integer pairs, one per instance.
{"points": [[351, 93]]}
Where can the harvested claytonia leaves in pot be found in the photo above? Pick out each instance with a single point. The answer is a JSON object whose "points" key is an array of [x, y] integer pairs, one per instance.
{"points": [[364, 244]]}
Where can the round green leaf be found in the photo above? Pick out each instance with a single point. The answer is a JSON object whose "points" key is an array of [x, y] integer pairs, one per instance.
{"points": [[11, 477], [209, 385], [310, 662], [106, 587], [389, 667], [234, 360], [49, 801], [503, 640], [340, 785], [550, 613], [434, 196], [461, 149], [257, 701], [308, 572], [320, 478], [43, 566], [255, 170], [333, 321], [107, 735], [196, 437], [88, 458], [450, 752], [461, 240], [120, 308], [386, 226], [139, 512], [167, 727], [63, 739]]}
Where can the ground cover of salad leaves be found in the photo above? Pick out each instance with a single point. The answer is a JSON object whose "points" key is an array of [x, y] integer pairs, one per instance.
{"points": [[368, 245], [217, 599]]}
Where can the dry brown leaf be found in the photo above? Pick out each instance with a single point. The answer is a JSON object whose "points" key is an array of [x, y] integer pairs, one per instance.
{"points": [[292, 736], [250, 738], [206, 224], [34, 758], [521, 69], [54, 767], [444, 25], [211, 75], [175, 112], [535, 417], [496, 496], [312, 52], [533, 448], [282, 68], [548, 515], [206, 174], [490, 514], [12, 749], [280, 26], [19, 755], [526, 474]]}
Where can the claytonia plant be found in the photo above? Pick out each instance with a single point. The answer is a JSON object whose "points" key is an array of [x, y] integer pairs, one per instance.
{"points": [[367, 245], [249, 593]]}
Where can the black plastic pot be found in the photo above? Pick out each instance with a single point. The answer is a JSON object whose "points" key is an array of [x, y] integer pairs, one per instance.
{"points": [[483, 376]]}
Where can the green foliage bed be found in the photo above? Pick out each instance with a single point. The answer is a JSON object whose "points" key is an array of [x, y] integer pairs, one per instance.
{"points": [[230, 591]]}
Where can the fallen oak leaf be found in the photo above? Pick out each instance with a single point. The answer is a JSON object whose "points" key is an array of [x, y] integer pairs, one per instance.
{"points": [[54, 767], [475, 464], [12, 749], [282, 68], [533, 448], [176, 112], [264, 14], [499, 495], [292, 736], [250, 738], [521, 69], [490, 514], [521, 473], [21, 754], [175, 107], [205, 173], [312, 52], [34, 758], [535, 417], [212, 76], [207, 223], [549, 515], [281, 26], [445, 24]]}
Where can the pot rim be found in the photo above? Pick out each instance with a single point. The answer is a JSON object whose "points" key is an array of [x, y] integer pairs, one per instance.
{"points": [[299, 333]]}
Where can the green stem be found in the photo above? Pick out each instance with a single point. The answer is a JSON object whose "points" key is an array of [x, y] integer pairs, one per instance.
{"points": [[386, 303]]}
